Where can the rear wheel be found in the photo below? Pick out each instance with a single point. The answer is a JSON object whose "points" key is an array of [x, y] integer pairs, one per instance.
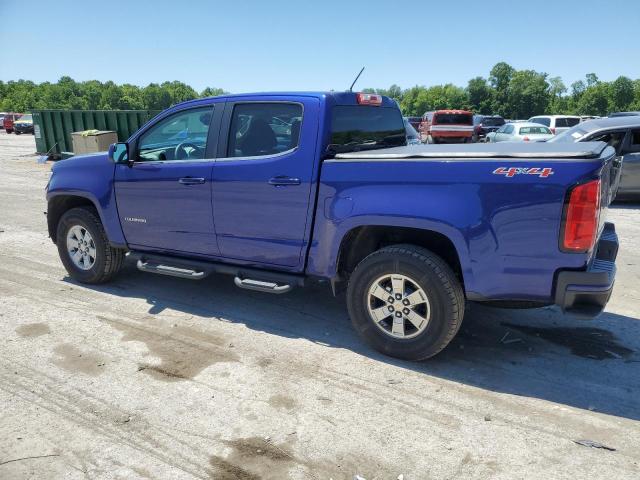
{"points": [[406, 302], [18, 133], [84, 248], [9, 131]]}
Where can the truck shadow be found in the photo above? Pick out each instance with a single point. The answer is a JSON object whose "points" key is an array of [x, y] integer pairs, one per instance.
{"points": [[533, 353]]}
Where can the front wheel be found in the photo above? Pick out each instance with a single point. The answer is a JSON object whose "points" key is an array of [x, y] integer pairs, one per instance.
{"points": [[84, 248], [405, 302], [18, 133]]}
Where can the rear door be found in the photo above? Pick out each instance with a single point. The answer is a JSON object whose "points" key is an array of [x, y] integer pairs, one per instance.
{"points": [[262, 180]]}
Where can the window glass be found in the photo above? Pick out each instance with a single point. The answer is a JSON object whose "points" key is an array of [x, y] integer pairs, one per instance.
{"points": [[508, 129], [546, 121], [635, 138], [360, 127], [535, 130], [182, 136], [566, 122], [264, 129], [453, 119], [613, 139], [492, 121]]}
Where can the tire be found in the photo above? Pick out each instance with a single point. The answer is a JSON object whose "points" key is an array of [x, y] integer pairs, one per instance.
{"points": [[18, 133], [445, 301], [9, 131], [107, 261]]}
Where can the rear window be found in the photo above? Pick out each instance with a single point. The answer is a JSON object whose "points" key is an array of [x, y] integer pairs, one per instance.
{"points": [[546, 121], [566, 122], [535, 131], [453, 119], [355, 128], [26, 118], [492, 121]]}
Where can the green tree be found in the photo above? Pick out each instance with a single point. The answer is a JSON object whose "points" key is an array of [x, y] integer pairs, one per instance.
{"points": [[480, 95], [500, 78], [622, 94], [527, 94]]}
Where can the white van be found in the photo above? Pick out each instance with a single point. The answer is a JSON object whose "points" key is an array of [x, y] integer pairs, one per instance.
{"points": [[556, 123]]}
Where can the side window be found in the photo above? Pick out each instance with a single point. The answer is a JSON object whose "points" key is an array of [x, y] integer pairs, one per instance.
{"points": [[508, 129], [634, 143], [542, 121], [264, 129], [613, 139], [182, 136]]}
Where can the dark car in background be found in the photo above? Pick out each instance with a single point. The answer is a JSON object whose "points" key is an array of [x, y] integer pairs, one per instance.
{"points": [[624, 114], [623, 134], [484, 124], [414, 121], [24, 124]]}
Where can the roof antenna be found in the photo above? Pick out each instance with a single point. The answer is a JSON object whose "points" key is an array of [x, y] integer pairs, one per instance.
{"points": [[354, 82]]}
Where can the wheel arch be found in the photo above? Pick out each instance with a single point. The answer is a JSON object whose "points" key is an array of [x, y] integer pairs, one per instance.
{"points": [[360, 241], [57, 205]]}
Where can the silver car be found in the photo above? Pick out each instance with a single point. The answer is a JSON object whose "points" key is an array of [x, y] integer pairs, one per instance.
{"points": [[520, 132], [623, 134]]}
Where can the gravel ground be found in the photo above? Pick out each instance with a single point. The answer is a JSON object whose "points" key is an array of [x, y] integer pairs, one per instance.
{"points": [[155, 377]]}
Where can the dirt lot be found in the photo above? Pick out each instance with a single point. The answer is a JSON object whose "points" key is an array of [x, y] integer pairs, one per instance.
{"points": [[154, 377]]}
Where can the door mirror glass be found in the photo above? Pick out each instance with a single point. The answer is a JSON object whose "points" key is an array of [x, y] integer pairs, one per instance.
{"points": [[119, 152]]}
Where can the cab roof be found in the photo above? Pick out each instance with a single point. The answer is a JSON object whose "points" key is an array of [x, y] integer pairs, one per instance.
{"points": [[336, 98]]}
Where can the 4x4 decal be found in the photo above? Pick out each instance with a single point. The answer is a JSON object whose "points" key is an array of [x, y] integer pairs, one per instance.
{"points": [[513, 171]]}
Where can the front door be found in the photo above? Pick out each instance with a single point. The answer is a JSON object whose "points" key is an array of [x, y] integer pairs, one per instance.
{"points": [[164, 196], [262, 180]]}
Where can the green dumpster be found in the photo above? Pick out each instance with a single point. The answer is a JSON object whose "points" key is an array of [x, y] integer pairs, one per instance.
{"points": [[53, 128]]}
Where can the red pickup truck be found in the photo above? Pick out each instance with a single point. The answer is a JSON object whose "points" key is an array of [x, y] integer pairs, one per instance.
{"points": [[8, 120], [447, 126]]}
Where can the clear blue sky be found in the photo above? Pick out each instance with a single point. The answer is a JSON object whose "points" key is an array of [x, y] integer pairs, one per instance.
{"points": [[314, 45]]}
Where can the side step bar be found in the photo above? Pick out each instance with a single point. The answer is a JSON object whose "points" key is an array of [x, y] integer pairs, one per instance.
{"points": [[245, 277], [172, 271], [260, 286]]}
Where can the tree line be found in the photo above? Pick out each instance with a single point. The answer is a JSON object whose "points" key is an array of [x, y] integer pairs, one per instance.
{"points": [[520, 94], [66, 93], [515, 94]]}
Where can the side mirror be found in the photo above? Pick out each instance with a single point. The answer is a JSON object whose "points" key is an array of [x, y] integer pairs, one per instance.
{"points": [[119, 152]]}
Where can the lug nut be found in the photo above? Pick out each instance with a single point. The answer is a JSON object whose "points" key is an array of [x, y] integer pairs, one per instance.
{"points": [[398, 296], [390, 300], [398, 314], [390, 308], [406, 311], [405, 302]]}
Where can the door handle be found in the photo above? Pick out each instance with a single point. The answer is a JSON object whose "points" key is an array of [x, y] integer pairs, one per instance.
{"points": [[191, 180], [283, 180]]}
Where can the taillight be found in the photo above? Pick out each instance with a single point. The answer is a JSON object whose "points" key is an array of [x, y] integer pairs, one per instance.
{"points": [[581, 217], [368, 99], [525, 139]]}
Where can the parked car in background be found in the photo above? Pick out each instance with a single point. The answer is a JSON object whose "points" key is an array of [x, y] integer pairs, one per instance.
{"points": [[415, 122], [446, 126], [413, 137], [556, 123], [584, 118], [624, 114], [8, 120], [2, 114], [520, 132], [24, 124], [623, 134], [484, 124]]}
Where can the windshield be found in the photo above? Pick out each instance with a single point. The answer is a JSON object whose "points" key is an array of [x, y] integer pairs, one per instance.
{"points": [[355, 128], [493, 121], [26, 118], [453, 119], [572, 135]]}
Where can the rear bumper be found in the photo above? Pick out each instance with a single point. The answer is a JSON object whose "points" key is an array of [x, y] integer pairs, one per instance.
{"points": [[585, 293]]}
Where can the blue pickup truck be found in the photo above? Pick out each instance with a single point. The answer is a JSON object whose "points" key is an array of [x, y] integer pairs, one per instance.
{"points": [[280, 190]]}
